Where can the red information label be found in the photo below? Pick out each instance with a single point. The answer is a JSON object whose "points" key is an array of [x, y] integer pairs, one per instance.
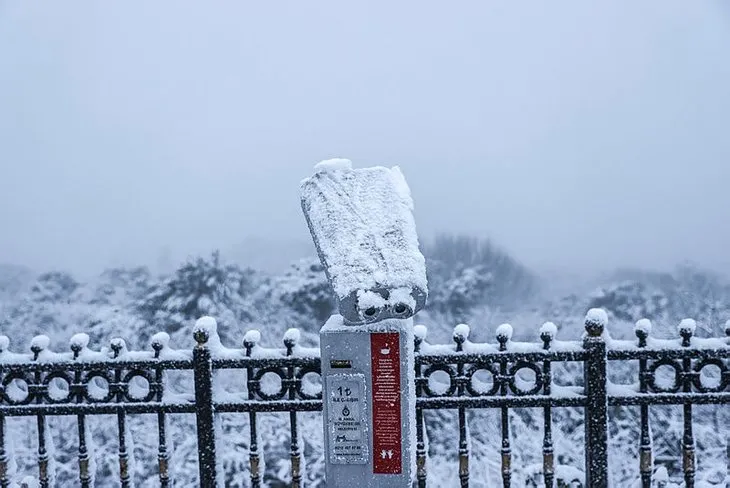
{"points": [[387, 427]]}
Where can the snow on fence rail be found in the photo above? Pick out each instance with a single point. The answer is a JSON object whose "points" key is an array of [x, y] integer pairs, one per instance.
{"points": [[463, 375]]}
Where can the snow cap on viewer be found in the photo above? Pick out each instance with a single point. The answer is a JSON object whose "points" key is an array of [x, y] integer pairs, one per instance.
{"points": [[333, 164]]}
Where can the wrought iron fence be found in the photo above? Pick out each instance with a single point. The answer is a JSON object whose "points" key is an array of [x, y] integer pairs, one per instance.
{"points": [[500, 376]]}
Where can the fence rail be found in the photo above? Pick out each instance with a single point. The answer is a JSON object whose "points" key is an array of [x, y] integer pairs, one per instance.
{"points": [[460, 376]]}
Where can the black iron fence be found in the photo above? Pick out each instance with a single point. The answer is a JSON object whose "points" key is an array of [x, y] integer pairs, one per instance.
{"points": [[459, 376]]}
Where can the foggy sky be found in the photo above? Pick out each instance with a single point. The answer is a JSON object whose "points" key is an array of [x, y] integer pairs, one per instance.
{"points": [[577, 135]]}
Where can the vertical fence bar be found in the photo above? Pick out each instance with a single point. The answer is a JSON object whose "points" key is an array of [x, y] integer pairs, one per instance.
{"points": [[117, 346], [596, 410], [84, 472], [41, 425], [158, 343], [642, 330], [43, 477], [547, 333], [78, 389], [249, 342], [203, 377], [290, 341], [4, 459], [459, 339], [504, 333], [163, 460], [686, 329], [123, 455], [419, 334]]}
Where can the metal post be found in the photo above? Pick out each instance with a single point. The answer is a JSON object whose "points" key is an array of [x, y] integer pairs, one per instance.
{"points": [[596, 410], [203, 374]]}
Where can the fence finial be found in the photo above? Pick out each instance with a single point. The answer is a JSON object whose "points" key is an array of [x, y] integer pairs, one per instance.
{"points": [[642, 329], [291, 338], [250, 339], [461, 334], [419, 335], [504, 335], [118, 346], [38, 344], [159, 342], [548, 331], [595, 323], [78, 343], [205, 328], [687, 329]]}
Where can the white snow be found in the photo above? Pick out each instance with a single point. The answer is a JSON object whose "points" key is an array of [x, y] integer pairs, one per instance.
{"points": [[402, 295], [362, 224], [58, 389], [643, 325], [597, 316], [333, 165], [210, 327], [252, 336], [4, 343], [80, 340], [29, 482], [162, 339], [369, 299], [689, 325], [292, 335], [461, 332], [505, 330], [40, 342], [549, 329], [420, 332]]}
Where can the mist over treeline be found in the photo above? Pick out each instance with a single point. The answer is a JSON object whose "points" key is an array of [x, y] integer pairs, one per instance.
{"points": [[471, 280]]}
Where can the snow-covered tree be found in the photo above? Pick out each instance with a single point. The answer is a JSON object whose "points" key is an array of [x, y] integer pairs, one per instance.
{"points": [[197, 288]]}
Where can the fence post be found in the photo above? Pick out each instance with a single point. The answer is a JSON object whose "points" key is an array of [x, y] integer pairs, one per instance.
{"points": [[203, 377], [596, 410]]}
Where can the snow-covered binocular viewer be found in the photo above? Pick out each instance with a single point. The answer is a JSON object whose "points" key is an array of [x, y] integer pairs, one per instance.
{"points": [[361, 221]]}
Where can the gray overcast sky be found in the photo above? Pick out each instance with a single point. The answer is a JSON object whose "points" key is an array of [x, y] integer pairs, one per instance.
{"points": [[578, 134]]}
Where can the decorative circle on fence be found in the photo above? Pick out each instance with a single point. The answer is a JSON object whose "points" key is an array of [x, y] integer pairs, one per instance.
{"points": [[723, 376], [435, 369], [309, 384], [138, 386], [17, 389], [265, 383], [57, 387], [98, 386], [659, 386], [520, 386], [477, 383]]}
